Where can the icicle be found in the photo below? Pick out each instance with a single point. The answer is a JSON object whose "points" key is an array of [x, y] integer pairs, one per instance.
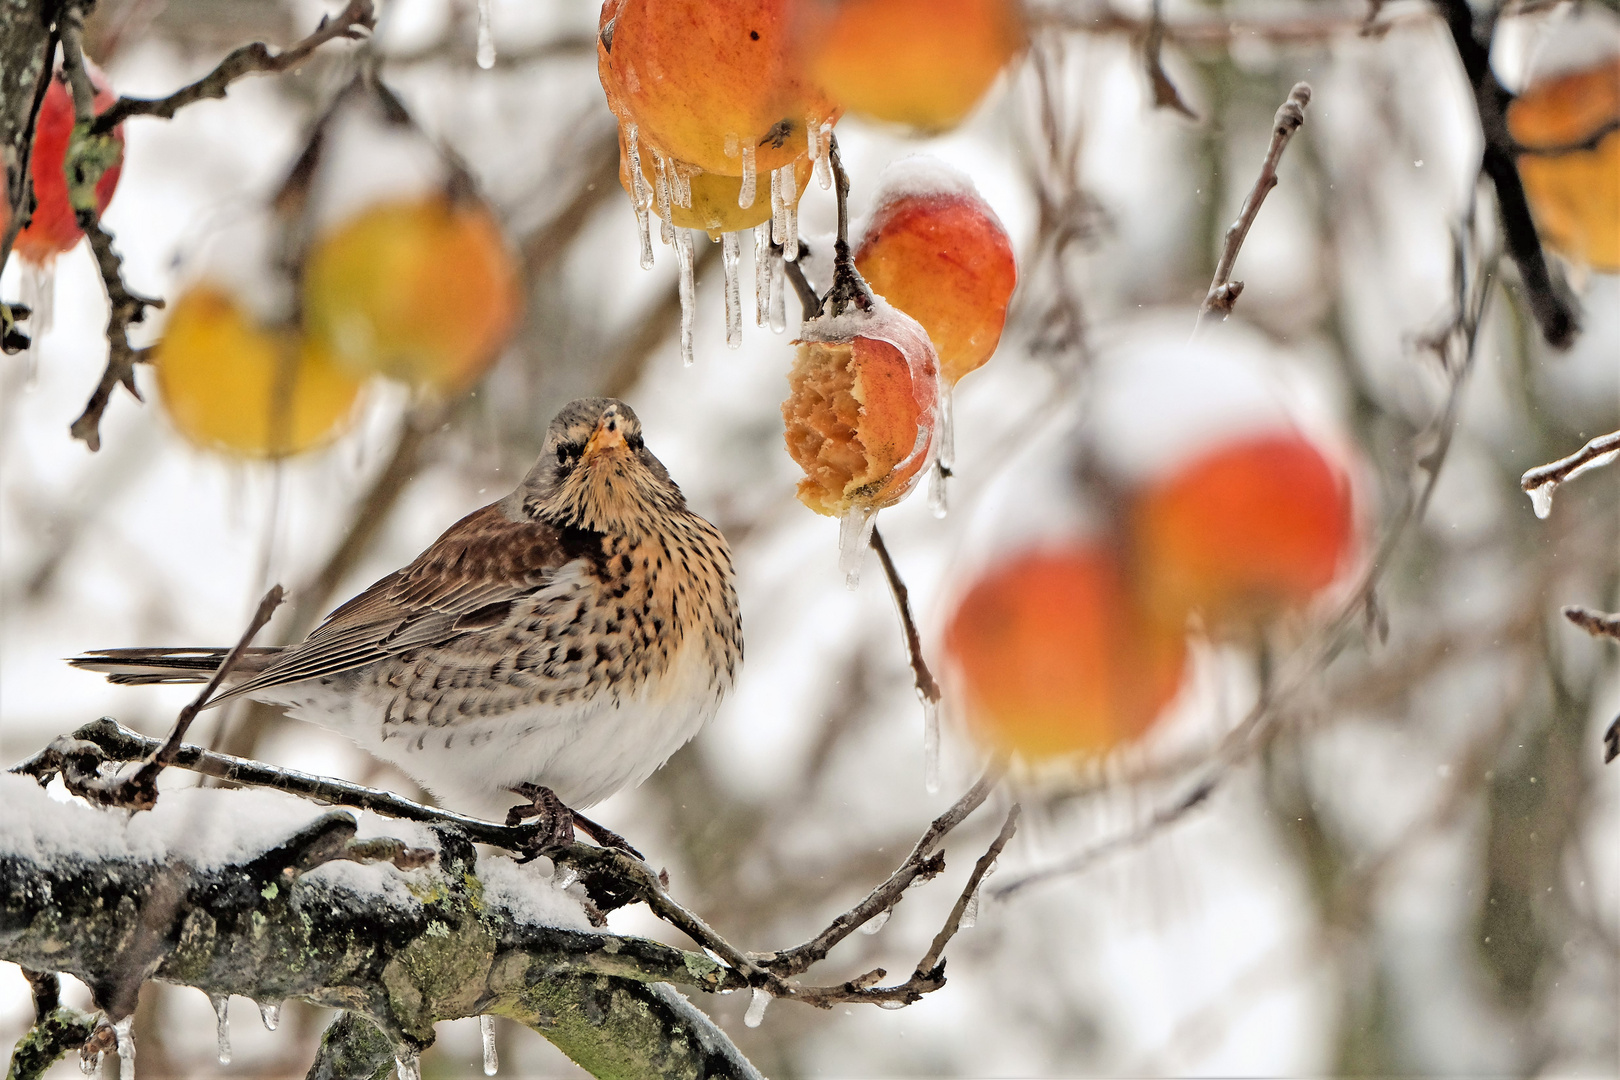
{"points": [[730, 257], [486, 1030], [778, 222], [891, 1004], [222, 1006], [666, 230], [876, 922], [762, 273], [812, 135], [854, 534], [930, 745], [125, 1038], [945, 460], [408, 1067], [824, 162], [732, 144], [778, 294], [790, 214], [1541, 498], [486, 39], [683, 187], [639, 195], [271, 1015], [683, 256], [756, 1008], [36, 288], [938, 497], [745, 191]]}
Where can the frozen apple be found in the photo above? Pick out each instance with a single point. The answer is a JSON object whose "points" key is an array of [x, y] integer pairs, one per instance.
{"points": [[231, 385], [423, 290], [861, 410], [710, 203], [1051, 657], [53, 228], [712, 85], [1567, 125], [1252, 528], [923, 63]]}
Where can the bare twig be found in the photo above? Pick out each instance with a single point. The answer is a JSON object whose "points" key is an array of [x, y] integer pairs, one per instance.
{"points": [[809, 302], [970, 892], [354, 23], [138, 791], [927, 686], [1223, 291], [1595, 623], [1551, 308], [124, 309], [1543, 480], [1165, 94], [847, 287]]}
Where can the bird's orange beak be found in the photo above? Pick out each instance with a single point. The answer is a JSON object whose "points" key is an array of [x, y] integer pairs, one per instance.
{"points": [[607, 436]]}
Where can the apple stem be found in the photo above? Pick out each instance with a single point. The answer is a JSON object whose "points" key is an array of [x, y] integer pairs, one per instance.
{"points": [[848, 287]]}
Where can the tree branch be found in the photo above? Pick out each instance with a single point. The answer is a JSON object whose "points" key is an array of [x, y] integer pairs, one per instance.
{"points": [[927, 686], [1552, 311], [1223, 291], [354, 23], [1540, 483]]}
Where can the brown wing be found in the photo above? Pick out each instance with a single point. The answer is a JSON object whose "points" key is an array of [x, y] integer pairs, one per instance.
{"points": [[466, 581]]}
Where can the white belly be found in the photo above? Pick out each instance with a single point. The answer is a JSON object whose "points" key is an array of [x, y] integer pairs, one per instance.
{"points": [[583, 751]]}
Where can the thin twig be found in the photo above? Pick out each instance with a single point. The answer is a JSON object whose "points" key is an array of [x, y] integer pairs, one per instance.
{"points": [[1601, 451], [354, 23], [809, 302], [927, 685], [1223, 291], [970, 892], [1165, 94], [1551, 309], [1595, 623], [847, 286]]}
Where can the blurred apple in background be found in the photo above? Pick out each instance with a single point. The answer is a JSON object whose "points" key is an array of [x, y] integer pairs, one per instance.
{"points": [[923, 63], [231, 385], [423, 290], [1252, 528], [1575, 193], [1052, 657]]}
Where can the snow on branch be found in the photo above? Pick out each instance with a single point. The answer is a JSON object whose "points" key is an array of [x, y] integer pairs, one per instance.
{"points": [[265, 895]]}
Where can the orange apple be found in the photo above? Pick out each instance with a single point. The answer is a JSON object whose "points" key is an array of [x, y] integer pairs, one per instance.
{"points": [[424, 290], [247, 390], [53, 229], [935, 250], [711, 85], [923, 63], [862, 407], [1248, 530], [1575, 194], [1051, 656]]}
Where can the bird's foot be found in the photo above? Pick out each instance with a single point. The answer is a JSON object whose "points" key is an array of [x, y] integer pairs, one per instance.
{"points": [[556, 820], [604, 835]]}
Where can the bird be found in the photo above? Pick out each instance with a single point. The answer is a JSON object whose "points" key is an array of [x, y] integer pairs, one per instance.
{"points": [[561, 642]]}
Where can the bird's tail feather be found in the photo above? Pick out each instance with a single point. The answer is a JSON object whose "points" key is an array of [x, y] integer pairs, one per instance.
{"points": [[142, 667]]}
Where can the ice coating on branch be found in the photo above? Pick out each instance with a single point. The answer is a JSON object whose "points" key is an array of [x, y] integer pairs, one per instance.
{"points": [[123, 1033], [222, 1025], [930, 744], [683, 256], [756, 1008], [486, 38], [270, 1013], [407, 1066], [762, 272], [745, 193], [639, 195], [891, 1004], [486, 1032], [876, 922], [730, 258], [1543, 481]]}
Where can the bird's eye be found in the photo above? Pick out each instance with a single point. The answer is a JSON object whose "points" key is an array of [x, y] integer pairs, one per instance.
{"points": [[634, 442], [567, 453]]}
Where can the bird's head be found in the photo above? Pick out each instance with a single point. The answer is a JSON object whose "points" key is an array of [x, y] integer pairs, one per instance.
{"points": [[596, 473]]}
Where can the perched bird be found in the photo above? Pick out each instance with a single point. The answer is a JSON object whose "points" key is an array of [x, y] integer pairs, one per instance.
{"points": [[562, 642]]}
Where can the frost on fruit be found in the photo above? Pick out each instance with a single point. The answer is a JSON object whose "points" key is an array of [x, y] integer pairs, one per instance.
{"points": [[862, 409]]}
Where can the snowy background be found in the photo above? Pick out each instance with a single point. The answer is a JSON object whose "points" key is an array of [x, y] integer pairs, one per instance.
{"points": [[1330, 908]]}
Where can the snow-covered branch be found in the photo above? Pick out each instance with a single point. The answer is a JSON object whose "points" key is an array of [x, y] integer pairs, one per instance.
{"points": [[264, 895]]}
